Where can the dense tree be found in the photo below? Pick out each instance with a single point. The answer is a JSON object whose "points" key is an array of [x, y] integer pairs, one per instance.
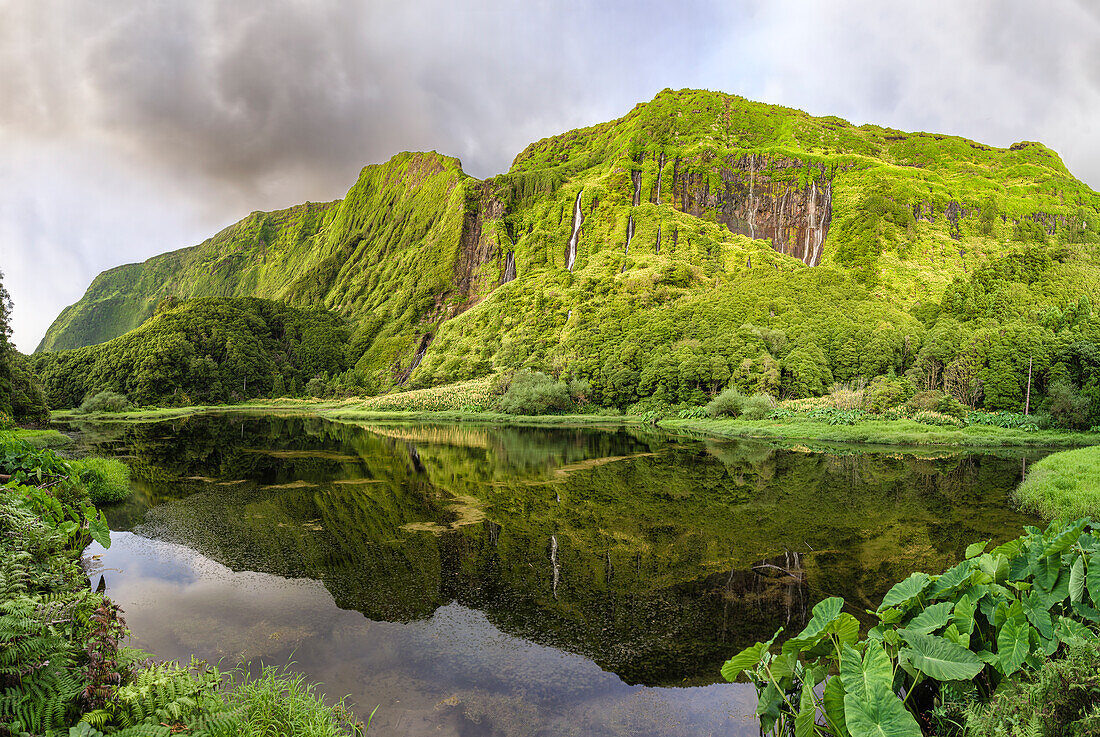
{"points": [[207, 350], [21, 395]]}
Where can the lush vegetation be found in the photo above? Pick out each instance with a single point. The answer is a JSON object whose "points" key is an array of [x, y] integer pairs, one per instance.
{"points": [[1063, 485], [948, 265], [21, 397], [63, 669], [961, 637], [1060, 698], [208, 350], [106, 480]]}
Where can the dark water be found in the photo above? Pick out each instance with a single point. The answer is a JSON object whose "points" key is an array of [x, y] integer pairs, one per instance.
{"points": [[484, 581]]}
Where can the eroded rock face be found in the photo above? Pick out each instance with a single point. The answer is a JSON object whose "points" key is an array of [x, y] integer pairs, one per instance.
{"points": [[760, 197]]}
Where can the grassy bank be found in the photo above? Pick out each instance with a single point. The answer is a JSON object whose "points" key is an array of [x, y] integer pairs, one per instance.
{"points": [[48, 438], [871, 431], [884, 432], [63, 669], [1064, 485]]}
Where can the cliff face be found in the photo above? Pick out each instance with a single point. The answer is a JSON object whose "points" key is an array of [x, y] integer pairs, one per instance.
{"points": [[759, 197], [691, 191]]}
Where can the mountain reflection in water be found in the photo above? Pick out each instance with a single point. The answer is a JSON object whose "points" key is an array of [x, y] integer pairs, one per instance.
{"points": [[485, 580]]}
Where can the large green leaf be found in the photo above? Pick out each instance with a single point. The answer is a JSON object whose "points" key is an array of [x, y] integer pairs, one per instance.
{"points": [[1077, 580], [952, 580], [1093, 580], [871, 708], [846, 628], [824, 612], [100, 530], [833, 701], [1009, 549], [860, 675], [940, 658], [768, 707], [1072, 632], [1064, 538], [905, 592], [1035, 609], [1013, 646], [742, 661], [931, 619], [975, 549], [963, 614]]}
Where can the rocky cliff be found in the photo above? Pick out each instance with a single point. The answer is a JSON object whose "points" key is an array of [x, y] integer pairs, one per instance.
{"points": [[690, 193]]}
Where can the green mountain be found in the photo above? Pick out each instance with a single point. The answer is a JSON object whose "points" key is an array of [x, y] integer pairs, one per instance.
{"points": [[698, 240]]}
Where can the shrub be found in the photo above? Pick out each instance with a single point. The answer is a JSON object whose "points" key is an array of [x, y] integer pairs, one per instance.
{"points": [[105, 401], [1016, 420], [579, 391], [1058, 699], [838, 417], [6, 422], [757, 407], [1066, 406], [926, 401], [535, 393], [948, 405], [107, 480], [317, 387], [727, 404], [848, 395], [938, 418]]}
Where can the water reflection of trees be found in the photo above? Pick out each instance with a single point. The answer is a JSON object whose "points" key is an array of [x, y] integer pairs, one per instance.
{"points": [[655, 559]]}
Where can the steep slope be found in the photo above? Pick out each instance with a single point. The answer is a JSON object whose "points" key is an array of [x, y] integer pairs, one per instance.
{"points": [[700, 228]]}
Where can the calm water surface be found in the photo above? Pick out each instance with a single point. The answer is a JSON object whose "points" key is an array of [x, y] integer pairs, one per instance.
{"points": [[501, 581]]}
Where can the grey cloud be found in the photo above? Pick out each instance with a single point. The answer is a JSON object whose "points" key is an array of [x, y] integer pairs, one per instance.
{"points": [[196, 112]]}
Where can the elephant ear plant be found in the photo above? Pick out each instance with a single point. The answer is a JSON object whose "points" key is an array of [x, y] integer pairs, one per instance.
{"points": [[954, 636]]}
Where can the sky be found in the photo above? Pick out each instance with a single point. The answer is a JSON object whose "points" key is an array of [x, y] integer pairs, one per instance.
{"points": [[128, 129]]}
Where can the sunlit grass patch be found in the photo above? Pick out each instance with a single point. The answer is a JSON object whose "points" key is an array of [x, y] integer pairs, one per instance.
{"points": [[1065, 485]]}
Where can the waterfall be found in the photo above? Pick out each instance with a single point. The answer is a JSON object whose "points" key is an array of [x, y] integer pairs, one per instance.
{"points": [[819, 230], [578, 218], [509, 268], [658, 240], [629, 233], [554, 562], [636, 177], [811, 206], [660, 168], [752, 189]]}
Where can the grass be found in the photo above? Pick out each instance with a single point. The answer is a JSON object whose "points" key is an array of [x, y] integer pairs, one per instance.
{"points": [[106, 479], [281, 702], [49, 438], [157, 414], [883, 432], [900, 432], [1064, 485]]}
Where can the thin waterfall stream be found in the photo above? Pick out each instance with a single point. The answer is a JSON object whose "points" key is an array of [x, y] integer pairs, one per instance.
{"points": [[578, 219]]}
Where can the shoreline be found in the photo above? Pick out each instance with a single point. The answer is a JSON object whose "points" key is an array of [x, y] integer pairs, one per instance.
{"points": [[871, 433]]}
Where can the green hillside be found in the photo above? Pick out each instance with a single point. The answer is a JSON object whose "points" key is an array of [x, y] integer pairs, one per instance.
{"points": [[699, 240]]}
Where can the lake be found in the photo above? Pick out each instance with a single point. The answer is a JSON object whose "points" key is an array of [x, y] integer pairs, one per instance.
{"points": [[483, 580]]}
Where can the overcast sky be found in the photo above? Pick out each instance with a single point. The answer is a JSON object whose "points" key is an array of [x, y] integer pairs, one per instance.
{"points": [[132, 128]]}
